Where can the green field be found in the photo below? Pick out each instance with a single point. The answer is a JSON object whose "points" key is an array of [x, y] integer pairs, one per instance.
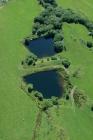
{"points": [[79, 123], [17, 111], [82, 6]]}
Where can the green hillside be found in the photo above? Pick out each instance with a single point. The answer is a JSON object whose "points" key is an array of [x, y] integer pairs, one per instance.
{"points": [[18, 112]]}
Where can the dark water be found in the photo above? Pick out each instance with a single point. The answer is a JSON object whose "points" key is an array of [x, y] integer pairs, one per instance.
{"points": [[42, 47], [49, 83]]}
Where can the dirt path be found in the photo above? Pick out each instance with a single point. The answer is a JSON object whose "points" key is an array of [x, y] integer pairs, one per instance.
{"points": [[56, 128], [72, 98], [37, 125]]}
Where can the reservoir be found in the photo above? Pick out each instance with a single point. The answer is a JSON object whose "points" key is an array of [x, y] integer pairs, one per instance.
{"points": [[49, 83], [41, 47]]}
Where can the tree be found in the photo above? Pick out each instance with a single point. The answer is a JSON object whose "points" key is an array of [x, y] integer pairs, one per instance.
{"points": [[92, 108], [27, 42], [36, 26], [66, 63], [89, 44], [51, 33], [38, 95], [44, 2], [91, 33], [39, 19], [3, 1], [30, 60], [58, 37], [41, 31], [58, 46], [58, 12]]}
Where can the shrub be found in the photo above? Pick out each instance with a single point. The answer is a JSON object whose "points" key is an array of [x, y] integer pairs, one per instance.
{"points": [[79, 97], [53, 58], [46, 105], [76, 73]]}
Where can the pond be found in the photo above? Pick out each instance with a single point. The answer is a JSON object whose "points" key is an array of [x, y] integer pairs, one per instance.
{"points": [[41, 47], [49, 83]]}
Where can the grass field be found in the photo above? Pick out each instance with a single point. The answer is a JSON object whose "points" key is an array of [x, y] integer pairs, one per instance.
{"points": [[17, 111], [79, 123], [84, 7]]}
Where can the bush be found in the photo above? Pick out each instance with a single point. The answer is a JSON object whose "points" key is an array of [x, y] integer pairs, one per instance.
{"points": [[53, 58], [54, 100], [46, 105], [66, 63], [48, 59]]}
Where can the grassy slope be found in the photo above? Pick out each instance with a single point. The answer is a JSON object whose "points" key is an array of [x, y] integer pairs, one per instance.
{"points": [[17, 111], [79, 124], [80, 56], [82, 6]]}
